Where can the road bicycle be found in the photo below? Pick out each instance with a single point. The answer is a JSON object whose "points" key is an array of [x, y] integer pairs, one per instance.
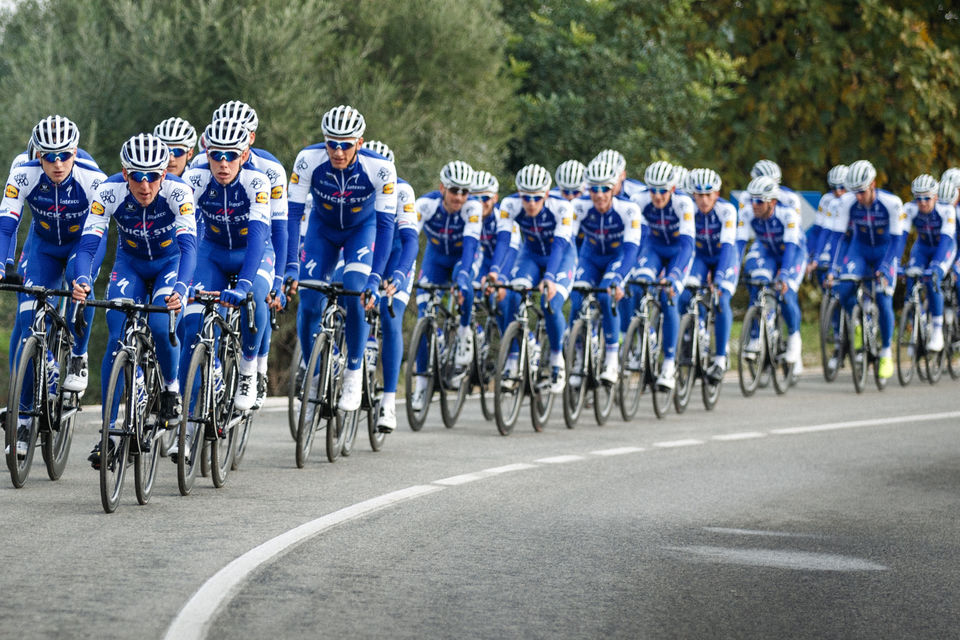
{"points": [[46, 412], [764, 322], [641, 356], [697, 349], [912, 335], [584, 354]]}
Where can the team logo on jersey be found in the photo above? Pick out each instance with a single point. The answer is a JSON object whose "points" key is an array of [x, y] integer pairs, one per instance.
{"points": [[167, 242], [256, 183], [687, 216], [262, 197], [130, 206], [177, 195], [276, 193], [728, 224], [383, 174], [294, 179], [564, 220], [186, 209], [74, 228], [634, 224], [408, 208], [388, 188], [21, 179], [474, 219], [44, 224], [108, 196], [244, 231], [791, 225], [356, 210], [504, 214], [132, 243], [11, 191]]}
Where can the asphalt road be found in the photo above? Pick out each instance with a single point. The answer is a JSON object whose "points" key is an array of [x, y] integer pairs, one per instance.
{"points": [[817, 514]]}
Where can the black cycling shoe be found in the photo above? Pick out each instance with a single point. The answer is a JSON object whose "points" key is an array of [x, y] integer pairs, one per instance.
{"points": [[94, 456], [170, 409], [715, 373]]}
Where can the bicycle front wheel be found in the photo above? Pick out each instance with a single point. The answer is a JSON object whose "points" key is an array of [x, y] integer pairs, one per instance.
{"points": [[198, 417], [508, 387], [603, 392], [951, 335], [118, 416], [633, 374], [750, 363], [859, 354], [541, 395], [577, 353], [486, 352], [28, 377], [451, 404], [831, 340], [781, 371], [373, 393], [687, 352], [223, 446], [298, 369], [62, 408], [309, 420], [419, 377], [906, 347]]}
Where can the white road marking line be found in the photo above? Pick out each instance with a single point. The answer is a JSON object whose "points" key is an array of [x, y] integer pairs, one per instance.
{"points": [[670, 444], [619, 451], [743, 435], [454, 481], [194, 618], [520, 466], [756, 532], [853, 424], [559, 459]]}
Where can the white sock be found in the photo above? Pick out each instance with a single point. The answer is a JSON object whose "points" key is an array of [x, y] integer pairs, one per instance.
{"points": [[389, 400], [262, 364], [556, 358], [248, 367], [172, 386]]}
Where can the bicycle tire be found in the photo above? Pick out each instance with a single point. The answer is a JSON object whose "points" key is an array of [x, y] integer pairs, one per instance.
{"points": [[950, 344], [781, 371], [932, 361], [574, 396], [540, 373], [633, 374], [56, 435], [859, 357], [309, 420], [351, 426], [340, 423], [906, 345], [831, 341], [424, 336], [244, 430], [27, 369], [452, 399], [297, 366], [687, 350], [485, 356], [224, 445], [197, 410], [662, 397], [709, 391], [507, 401], [146, 456], [749, 369], [603, 392], [373, 392], [119, 396]]}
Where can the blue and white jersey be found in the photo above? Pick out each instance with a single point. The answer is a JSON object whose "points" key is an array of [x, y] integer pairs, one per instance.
{"points": [[165, 227], [774, 233], [631, 188], [555, 220], [715, 229], [874, 225], [405, 240], [606, 233], [446, 231], [789, 197], [932, 227], [669, 225], [342, 199], [488, 233], [59, 210], [826, 210], [228, 211]]}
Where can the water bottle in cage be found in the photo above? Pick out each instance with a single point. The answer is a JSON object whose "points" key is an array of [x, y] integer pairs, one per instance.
{"points": [[218, 384], [371, 352], [53, 374]]}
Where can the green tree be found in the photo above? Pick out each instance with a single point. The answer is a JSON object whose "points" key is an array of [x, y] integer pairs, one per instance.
{"points": [[832, 82], [612, 73]]}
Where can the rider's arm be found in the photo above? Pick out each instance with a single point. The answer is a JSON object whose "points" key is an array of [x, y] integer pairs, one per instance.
{"points": [[10, 210], [383, 175], [185, 227], [898, 236], [473, 213], [947, 246], [729, 257], [793, 256], [687, 231], [505, 230], [297, 192], [562, 236], [407, 229]]}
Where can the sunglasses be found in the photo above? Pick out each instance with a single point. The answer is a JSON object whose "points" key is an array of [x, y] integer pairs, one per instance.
{"points": [[340, 145], [177, 152], [62, 156], [703, 189], [145, 176], [758, 200], [459, 191], [864, 190], [600, 188], [220, 155], [658, 190], [484, 199], [924, 198], [570, 192], [529, 198]]}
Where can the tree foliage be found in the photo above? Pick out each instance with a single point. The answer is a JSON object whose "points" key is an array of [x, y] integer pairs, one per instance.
{"points": [[612, 73], [832, 82]]}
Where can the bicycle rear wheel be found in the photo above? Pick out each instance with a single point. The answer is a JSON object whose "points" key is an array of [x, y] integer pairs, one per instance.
{"points": [[576, 357], [859, 355], [633, 374], [28, 376], [709, 391], [309, 420], [508, 389], [662, 396], [831, 341], [298, 369], [339, 424], [118, 413], [146, 452], [486, 352], [932, 360], [373, 396], [750, 363], [62, 407], [422, 340], [951, 335], [541, 397], [781, 371], [243, 439], [199, 416], [603, 392], [906, 347], [686, 362], [452, 398], [223, 447]]}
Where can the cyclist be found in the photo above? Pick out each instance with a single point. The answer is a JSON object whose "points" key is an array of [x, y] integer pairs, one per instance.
{"points": [[948, 193], [179, 136], [486, 188], [666, 251], [770, 168], [156, 254], [452, 224], [878, 220], [680, 177], [933, 250], [776, 255], [569, 179], [626, 187], [611, 230], [232, 199], [818, 235], [59, 189], [354, 209], [399, 285], [548, 256], [266, 163], [715, 258]]}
